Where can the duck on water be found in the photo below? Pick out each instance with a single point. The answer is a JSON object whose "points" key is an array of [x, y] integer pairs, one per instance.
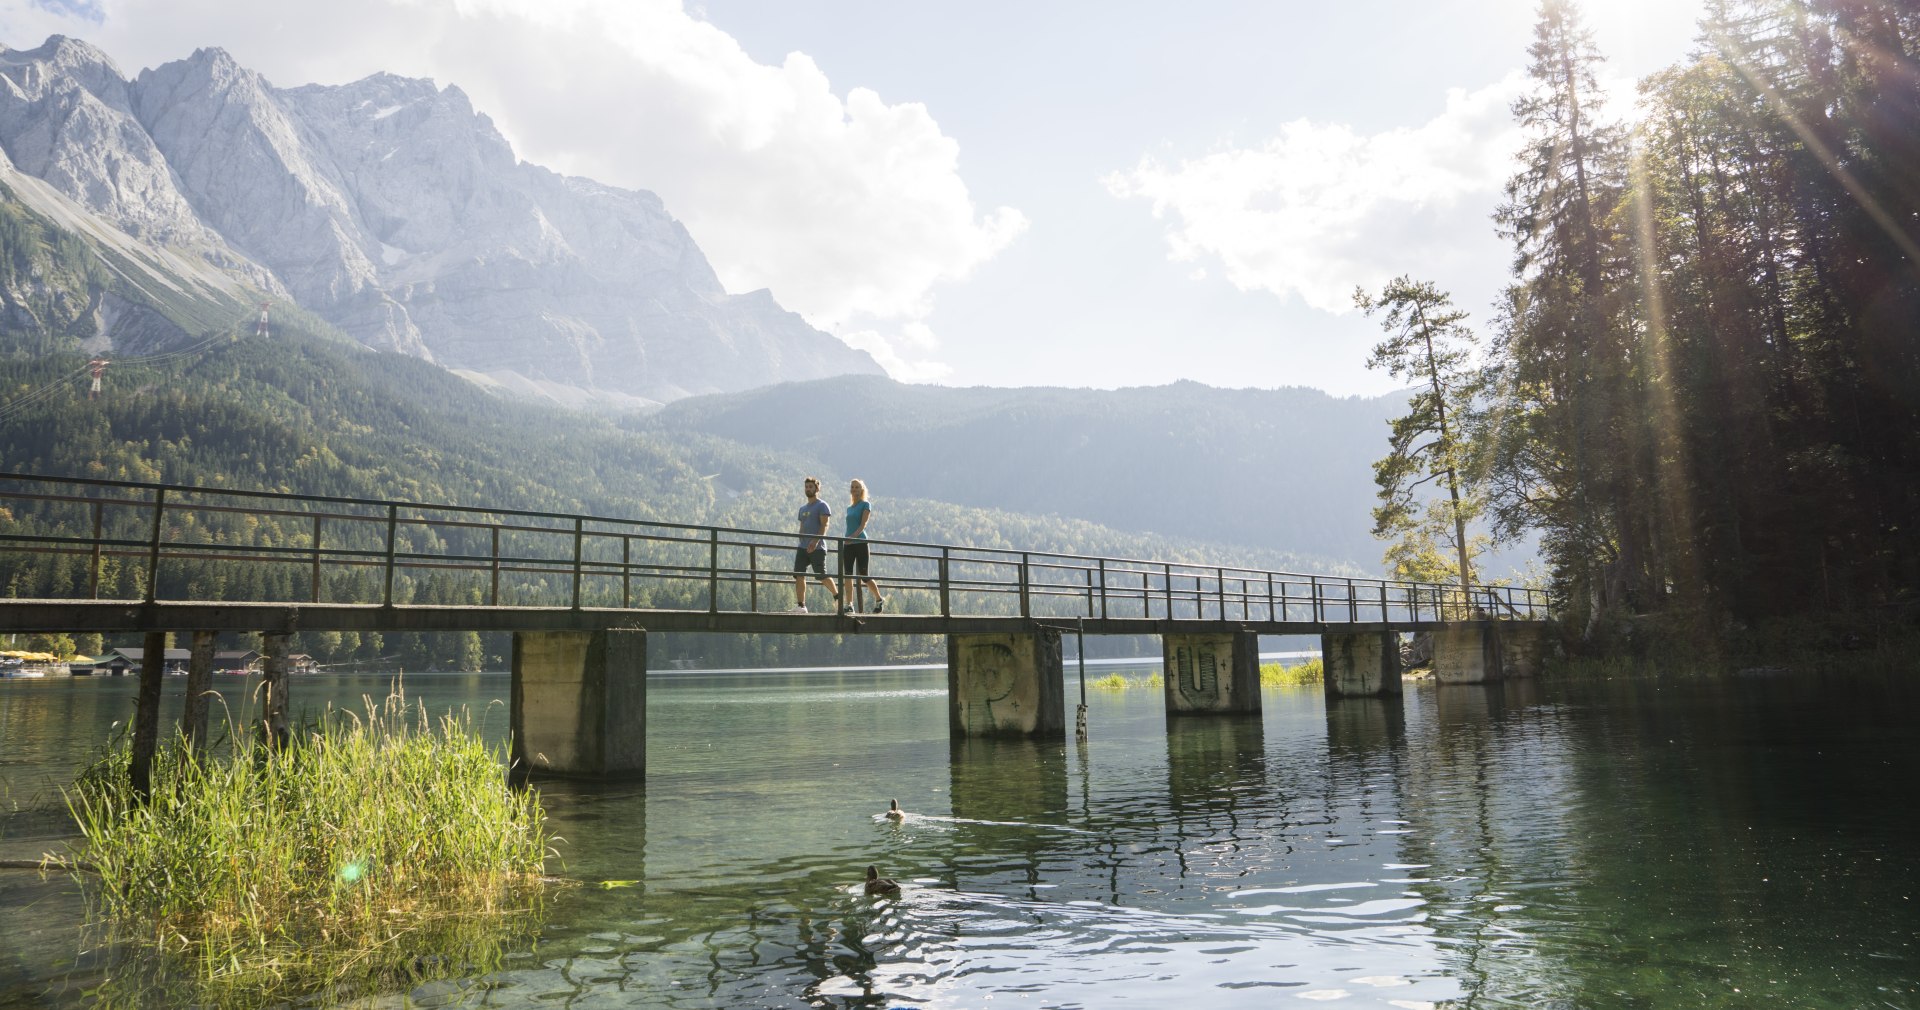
{"points": [[880, 886]]}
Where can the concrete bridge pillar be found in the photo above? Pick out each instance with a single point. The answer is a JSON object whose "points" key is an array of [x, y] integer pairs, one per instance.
{"points": [[1524, 648], [1211, 673], [580, 703], [1360, 664], [1006, 686], [1466, 653]]}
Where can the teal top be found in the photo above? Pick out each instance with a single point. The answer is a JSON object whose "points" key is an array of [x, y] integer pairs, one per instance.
{"points": [[856, 512]]}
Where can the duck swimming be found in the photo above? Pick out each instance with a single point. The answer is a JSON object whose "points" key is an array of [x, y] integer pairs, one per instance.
{"points": [[879, 885], [894, 813]]}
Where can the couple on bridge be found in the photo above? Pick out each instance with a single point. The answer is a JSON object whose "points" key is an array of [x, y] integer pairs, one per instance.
{"points": [[811, 552]]}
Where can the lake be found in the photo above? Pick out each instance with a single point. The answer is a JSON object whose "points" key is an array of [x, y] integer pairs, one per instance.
{"points": [[1737, 842]]}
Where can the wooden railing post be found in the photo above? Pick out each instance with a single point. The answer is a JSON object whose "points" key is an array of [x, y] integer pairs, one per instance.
{"points": [[753, 578], [946, 571], [1353, 604], [1103, 589], [146, 715], [313, 593], [193, 721], [713, 572], [1220, 590], [393, 534], [153, 548], [93, 571], [579, 539], [1026, 603], [1313, 587], [1166, 583], [493, 590]]}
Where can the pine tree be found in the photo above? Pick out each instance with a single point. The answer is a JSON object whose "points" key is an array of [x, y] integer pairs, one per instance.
{"points": [[1560, 440], [1429, 344]]}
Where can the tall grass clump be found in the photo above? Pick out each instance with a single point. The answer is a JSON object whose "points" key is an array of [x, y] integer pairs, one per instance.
{"points": [[1297, 675], [374, 844], [1122, 682]]}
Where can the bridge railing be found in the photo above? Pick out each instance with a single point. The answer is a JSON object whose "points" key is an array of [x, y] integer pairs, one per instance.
{"points": [[78, 538]]}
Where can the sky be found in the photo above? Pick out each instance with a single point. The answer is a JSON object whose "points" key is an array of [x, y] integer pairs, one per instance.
{"points": [[996, 192]]}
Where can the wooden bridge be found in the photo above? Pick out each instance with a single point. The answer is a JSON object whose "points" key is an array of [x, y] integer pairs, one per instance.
{"points": [[579, 593]]}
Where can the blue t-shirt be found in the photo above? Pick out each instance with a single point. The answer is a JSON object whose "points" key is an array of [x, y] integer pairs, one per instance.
{"points": [[813, 522], [856, 512]]}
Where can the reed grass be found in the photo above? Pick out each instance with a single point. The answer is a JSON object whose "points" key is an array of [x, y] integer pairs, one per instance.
{"points": [[1308, 673], [1122, 682], [372, 841], [1271, 675]]}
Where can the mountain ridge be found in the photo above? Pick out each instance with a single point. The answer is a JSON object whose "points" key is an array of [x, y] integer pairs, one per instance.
{"points": [[397, 212], [1286, 469]]}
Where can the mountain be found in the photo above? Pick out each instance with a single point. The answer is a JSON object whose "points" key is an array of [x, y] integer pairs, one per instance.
{"points": [[1285, 469], [394, 211]]}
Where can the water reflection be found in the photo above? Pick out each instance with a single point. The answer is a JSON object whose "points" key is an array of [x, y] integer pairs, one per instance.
{"points": [[1645, 843], [1009, 801], [1358, 729]]}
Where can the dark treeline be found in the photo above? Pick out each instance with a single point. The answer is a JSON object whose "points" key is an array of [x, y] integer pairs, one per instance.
{"points": [[1705, 389]]}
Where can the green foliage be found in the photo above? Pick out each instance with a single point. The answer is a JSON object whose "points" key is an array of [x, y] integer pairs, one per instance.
{"points": [[55, 285], [46, 279], [1305, 674], [1703, 397], [1427, 343], [341, 860], [1122, 682]]}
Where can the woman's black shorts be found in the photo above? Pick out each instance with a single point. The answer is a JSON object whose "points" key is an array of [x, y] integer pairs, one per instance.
{"points": [[853, 558]]}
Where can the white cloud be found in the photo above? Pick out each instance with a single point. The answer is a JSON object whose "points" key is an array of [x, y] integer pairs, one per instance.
{"points": [[1322, 208], [852, 210], [906, 355]]}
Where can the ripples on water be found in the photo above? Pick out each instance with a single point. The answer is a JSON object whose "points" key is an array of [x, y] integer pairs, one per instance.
{"points": [[1527, 845]]}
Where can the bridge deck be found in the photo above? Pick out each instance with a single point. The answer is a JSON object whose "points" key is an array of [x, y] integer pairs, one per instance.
{"points": [[160, 557], [77, 616]]}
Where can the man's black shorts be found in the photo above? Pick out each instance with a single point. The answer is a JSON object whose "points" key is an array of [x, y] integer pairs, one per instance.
{"points": [[815, 559], [853, 557]]}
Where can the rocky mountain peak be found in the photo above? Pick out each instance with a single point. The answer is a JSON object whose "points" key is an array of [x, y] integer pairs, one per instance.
{"points": [[66, 118], [62, 58], [398, 212]]}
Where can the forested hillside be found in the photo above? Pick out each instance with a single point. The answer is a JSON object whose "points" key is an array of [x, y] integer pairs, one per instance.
{"points": [[58, 287], [304, 412], [1281, 468]]}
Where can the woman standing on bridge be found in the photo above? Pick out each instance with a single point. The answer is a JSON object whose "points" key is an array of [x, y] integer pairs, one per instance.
{"points": [[853, 550]]}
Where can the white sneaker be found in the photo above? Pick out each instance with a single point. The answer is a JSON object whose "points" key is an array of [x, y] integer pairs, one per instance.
{"points": [[801, 609]]}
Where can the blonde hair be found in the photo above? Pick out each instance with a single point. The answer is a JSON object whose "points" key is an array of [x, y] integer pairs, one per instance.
{"points": [[859, 489]]}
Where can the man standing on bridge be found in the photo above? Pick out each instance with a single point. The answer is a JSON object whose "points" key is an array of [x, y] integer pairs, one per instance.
{"points": [[812, 549]]}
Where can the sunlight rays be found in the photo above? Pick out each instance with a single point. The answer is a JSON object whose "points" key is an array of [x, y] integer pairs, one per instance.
{"points": [[1808, 136]]}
